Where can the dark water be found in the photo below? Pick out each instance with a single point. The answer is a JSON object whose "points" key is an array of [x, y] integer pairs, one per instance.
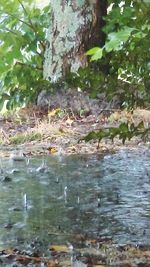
{"points": [[104, 195]]}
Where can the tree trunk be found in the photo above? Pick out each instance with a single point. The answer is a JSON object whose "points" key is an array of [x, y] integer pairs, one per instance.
{"points": [[76, 26]]}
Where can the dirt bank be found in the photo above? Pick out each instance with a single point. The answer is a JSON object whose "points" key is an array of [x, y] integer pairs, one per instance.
{"points": [[35, 132]]}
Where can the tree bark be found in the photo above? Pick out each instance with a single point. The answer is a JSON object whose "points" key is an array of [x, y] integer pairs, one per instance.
{"points": [[76, 26]]}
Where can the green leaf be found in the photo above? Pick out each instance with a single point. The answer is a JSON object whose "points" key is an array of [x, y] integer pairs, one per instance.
{"points": [[91, 136], [92, 51], [124, 127], [124, 34], [97, 55], [113, 45], [117, 39], [145, 26]]}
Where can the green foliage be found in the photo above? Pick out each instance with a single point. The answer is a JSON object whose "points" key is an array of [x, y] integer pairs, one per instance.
{"points": [[127, 50], [22, 46], [87, 79], [124, 131], [23, 138]]}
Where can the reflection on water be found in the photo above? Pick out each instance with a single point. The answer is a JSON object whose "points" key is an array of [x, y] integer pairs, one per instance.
{"points": [[97, 195]]}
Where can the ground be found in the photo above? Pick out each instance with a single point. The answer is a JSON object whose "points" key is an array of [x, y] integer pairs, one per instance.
{"points": [[35, 131]]}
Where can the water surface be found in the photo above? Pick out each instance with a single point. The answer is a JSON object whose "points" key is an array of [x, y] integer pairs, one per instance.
{"points": [[97, 195]]}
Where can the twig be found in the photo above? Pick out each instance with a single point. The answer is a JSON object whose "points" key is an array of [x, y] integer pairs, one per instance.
{"points": [[11, 15], [25, 11], [31, 24], [15, 33]]}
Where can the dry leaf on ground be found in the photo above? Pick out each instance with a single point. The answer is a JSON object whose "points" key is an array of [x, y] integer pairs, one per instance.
{"points": [[60, 248]]}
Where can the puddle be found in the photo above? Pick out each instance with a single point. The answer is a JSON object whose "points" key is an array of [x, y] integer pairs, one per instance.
{"points": [[107, 195]]}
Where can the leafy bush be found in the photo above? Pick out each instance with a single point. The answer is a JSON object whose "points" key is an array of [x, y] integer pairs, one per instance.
{"points": [[127, 46], [22, 46], [125, 131]]}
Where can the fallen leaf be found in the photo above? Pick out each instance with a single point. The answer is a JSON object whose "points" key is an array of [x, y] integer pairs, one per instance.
{"points": [[6, 251], [72, 148], [53, 112], [69, 122], [22, 258], [146, 253], [52, 150], [59, 248], [52, 264], [90, 242]]}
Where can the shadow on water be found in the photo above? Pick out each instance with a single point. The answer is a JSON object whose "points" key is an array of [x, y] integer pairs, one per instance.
{"points": [[103, 195]]}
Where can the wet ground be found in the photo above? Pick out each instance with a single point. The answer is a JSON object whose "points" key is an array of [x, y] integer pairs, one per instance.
{"points": [[55, 200]]}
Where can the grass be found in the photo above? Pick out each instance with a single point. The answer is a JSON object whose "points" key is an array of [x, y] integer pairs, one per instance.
{"points": [[43, 130], [25, 137]]}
